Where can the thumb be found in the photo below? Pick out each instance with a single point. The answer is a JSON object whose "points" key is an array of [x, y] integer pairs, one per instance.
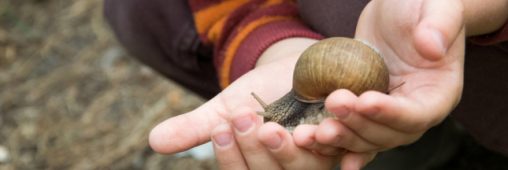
{"points": [[439, 26], [182, 132]]}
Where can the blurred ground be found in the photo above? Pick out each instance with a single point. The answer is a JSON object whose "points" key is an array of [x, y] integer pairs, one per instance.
{"points": [[71, 98]]}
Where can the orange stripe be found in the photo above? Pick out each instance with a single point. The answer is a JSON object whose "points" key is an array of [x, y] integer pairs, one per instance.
{"points": [[205, 18], [215, 32], [237, 40], [272, 2]]}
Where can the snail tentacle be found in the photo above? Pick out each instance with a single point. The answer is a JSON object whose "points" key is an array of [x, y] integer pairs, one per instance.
{"points": [[261, 102]]}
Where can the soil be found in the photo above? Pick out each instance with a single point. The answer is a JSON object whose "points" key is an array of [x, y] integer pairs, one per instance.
{"points": [[72, 98]]}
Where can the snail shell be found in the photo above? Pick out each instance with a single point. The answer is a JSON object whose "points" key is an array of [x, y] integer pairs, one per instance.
{"points": [[338, 63], [328, 65]]}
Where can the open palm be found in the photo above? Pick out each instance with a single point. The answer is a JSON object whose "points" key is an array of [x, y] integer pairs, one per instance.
{"points": [[270, 81], [190, 129], [422, 43]]}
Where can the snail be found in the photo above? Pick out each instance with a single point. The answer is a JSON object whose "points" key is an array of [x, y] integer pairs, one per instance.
{"points": [[330, 64]]}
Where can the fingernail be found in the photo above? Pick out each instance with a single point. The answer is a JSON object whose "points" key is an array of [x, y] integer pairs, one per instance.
{"points": [[341, 112], [222, 139], [243, 123], [274, 142], [440, 41]]}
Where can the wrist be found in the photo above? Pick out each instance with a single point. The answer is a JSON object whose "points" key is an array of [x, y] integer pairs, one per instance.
{"points": [[484, 16], [289, 47]]}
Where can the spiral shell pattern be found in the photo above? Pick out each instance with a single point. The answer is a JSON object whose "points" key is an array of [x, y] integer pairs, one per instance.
{"points": [[338, 63]]}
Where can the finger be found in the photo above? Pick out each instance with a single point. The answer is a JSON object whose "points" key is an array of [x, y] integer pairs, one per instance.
{"points": [[304, 136], [439, 26], [281, 145], [342, 100], [174, 135], [355, 161], [227, 153], [333, 133], [371, 134], [403, 113], [246, 123]]}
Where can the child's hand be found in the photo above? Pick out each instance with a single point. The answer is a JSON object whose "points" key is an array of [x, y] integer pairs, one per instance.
{"points": [[250, 149], [271, 79], [246, 143], [422, 43]]}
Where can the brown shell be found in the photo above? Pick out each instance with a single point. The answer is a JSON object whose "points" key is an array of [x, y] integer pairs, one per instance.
{"points": [[338, 63]]}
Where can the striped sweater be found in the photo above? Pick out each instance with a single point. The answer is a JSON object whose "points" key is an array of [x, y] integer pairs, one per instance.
{"points": [[240, 30]]}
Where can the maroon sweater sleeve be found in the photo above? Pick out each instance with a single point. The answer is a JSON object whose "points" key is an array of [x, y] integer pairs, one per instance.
{"points": [[241, 30]]}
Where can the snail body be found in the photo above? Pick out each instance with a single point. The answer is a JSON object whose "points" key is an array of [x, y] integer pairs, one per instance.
{"points": [[328, 65]]}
